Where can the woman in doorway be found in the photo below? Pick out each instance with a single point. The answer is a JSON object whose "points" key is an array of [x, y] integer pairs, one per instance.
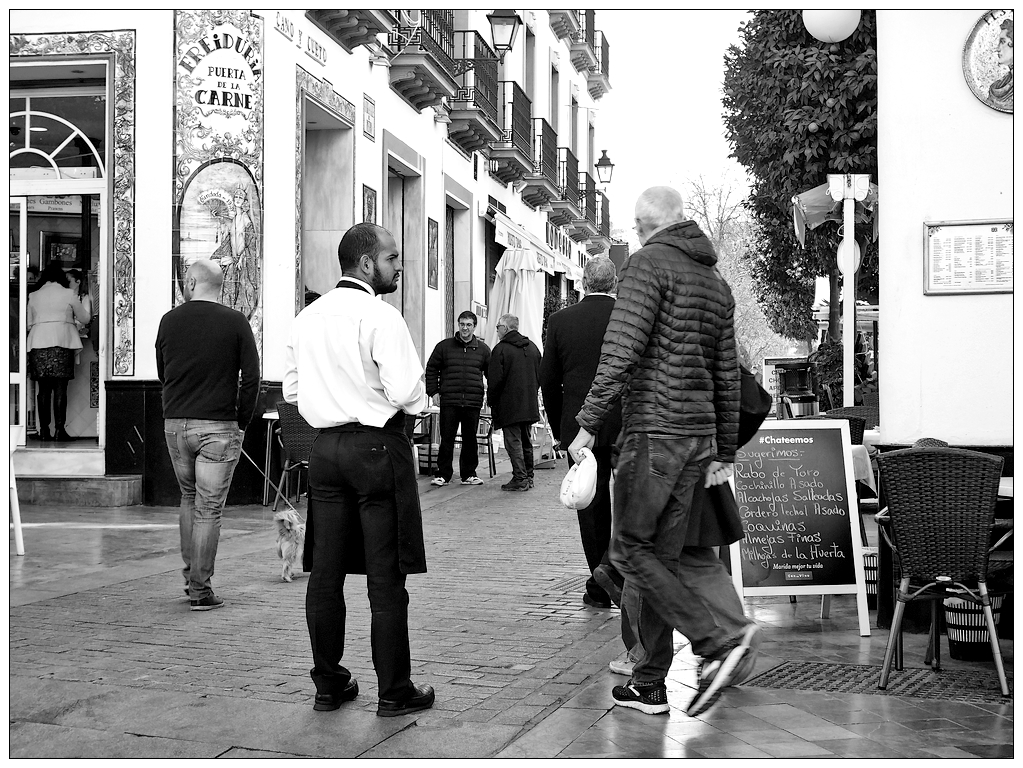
{"points": [[53, 342]]}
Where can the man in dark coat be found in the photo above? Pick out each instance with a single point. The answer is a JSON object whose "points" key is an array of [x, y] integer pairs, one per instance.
{"points": [[669, 351], [455, 372], [513, 389], [570, 356]]}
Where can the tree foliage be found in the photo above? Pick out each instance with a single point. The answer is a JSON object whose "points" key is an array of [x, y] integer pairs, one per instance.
{"points": [[718, 210], [796, 110]]}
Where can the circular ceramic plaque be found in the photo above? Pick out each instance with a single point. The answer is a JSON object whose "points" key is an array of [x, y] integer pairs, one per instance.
{"points": [[987, 60]]}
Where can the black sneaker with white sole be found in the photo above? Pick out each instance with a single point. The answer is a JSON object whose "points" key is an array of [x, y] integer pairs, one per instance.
{"points": [[648, 698], [730, 668]]}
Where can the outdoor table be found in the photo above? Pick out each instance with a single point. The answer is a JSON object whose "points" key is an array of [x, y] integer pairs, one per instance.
{"points": [[863, 470]]}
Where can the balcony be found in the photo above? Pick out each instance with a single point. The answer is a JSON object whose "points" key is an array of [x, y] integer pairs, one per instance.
{"points": [[565, 207], [601, 242], [540, 185], [474, 119], [584, 57], [423, 67], [585, 226], [597, 81], [564, 23], [511, 156], [352, 28]]}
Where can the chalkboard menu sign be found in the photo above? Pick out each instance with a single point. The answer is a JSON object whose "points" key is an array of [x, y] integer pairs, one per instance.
{"points": [[796, 495]]}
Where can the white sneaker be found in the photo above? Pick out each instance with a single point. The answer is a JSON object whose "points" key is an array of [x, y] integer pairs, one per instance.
{"points": [[438, 481], [472, 480], [622, 666], [626, 664]]}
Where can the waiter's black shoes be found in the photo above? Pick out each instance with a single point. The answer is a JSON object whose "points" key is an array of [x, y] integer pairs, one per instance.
{"points": [[327, 702], [421, 698]]}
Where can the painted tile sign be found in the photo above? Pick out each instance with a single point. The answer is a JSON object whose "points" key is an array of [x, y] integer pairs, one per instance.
{"points": [[218, 137]]}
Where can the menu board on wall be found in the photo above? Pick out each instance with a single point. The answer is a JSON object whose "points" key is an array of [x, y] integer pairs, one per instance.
{"points": [[968, 257], [796, 494]]}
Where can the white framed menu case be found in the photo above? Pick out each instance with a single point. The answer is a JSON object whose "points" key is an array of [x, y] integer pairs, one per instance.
{"points": [[968, 256]]}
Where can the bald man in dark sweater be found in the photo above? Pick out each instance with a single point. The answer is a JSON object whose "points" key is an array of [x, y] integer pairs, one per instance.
{"points": [[207, 361]]}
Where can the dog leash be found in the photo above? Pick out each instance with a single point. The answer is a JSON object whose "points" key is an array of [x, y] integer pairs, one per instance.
{"points": [[269, 481]]}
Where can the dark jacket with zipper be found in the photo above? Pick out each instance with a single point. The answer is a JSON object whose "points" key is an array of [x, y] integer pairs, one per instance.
{"points": [[455, 371], [669, 350], [514, 381]]}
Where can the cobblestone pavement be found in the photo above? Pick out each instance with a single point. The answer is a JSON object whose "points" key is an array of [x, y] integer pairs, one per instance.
{"points": [[497, 626], [106, 660]]}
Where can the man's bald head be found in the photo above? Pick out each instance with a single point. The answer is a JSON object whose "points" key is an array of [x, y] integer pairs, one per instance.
{"points": [[203, 281]]}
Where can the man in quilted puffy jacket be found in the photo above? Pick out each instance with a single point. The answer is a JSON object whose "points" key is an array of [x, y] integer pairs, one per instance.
{"points": [[455, 373], [669, 352]]}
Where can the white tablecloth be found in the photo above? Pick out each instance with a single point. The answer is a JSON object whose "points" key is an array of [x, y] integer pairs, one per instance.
{"points": [[862, 470]]}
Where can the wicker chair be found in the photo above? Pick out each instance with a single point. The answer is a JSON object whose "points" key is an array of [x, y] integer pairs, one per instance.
{"points": [[297, 442], [868, 413], [941, 507]]}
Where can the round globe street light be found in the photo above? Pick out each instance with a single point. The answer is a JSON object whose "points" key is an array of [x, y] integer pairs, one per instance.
{"points": [[604, 168], [831, 26], [504, 26]]}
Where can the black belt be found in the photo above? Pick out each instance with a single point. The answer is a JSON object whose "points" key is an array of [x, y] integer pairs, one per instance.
{"points": [[394, 424]]}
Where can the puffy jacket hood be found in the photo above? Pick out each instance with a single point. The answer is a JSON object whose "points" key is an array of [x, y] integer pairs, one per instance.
{"points": [[688, 238], [516, 339]]}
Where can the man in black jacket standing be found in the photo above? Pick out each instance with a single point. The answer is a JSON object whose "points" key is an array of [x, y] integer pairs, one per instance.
{"points": [[514, 386], [455, 371], [201, 348], [570, 356], [670, 353]]}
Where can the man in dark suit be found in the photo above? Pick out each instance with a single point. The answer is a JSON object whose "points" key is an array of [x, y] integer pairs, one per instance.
{"points": [[571, 354]]}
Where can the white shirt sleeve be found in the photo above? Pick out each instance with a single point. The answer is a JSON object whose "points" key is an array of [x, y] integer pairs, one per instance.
{"points": [[401, 372], [289, 385]]}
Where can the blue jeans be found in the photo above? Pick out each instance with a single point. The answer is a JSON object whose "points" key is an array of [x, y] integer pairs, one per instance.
{"points": [[204, 454], [519, 444], [667, 585]]}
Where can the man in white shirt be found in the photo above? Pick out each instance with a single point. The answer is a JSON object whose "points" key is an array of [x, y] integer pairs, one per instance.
{"points": [[353, 370]]}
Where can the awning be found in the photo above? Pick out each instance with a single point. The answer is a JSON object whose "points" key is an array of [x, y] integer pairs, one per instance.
{"points": [[512, 236]]}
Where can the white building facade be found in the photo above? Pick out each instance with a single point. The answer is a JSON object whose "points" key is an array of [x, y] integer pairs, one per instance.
{"points": [[143, 139]]}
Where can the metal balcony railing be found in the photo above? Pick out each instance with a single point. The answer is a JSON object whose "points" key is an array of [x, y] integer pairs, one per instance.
{"points": [[603, 52], [588, 197], [545, 150], [586, 30], [479, 84], [516, 112], [568, 175], [435, 34], [604, 216]]}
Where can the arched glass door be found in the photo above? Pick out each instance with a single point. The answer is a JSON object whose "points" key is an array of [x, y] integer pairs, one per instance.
{"points": [[58, 163]]}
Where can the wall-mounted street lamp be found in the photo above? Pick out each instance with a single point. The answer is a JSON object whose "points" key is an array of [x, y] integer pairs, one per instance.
{"points": [[504, 27], [604, 168]]}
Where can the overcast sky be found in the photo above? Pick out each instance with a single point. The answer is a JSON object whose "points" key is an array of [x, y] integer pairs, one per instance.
{"points": [[661, 121]]}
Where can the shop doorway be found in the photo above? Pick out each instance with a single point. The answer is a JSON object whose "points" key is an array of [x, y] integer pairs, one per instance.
{"points": [[58, 165], [328, 198]]}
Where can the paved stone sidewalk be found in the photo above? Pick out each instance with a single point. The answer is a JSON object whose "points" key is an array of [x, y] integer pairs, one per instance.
{"points": [[108, 661]]}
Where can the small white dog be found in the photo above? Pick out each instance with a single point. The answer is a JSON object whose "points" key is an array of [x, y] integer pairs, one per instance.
{"points": [[290, 541]]}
